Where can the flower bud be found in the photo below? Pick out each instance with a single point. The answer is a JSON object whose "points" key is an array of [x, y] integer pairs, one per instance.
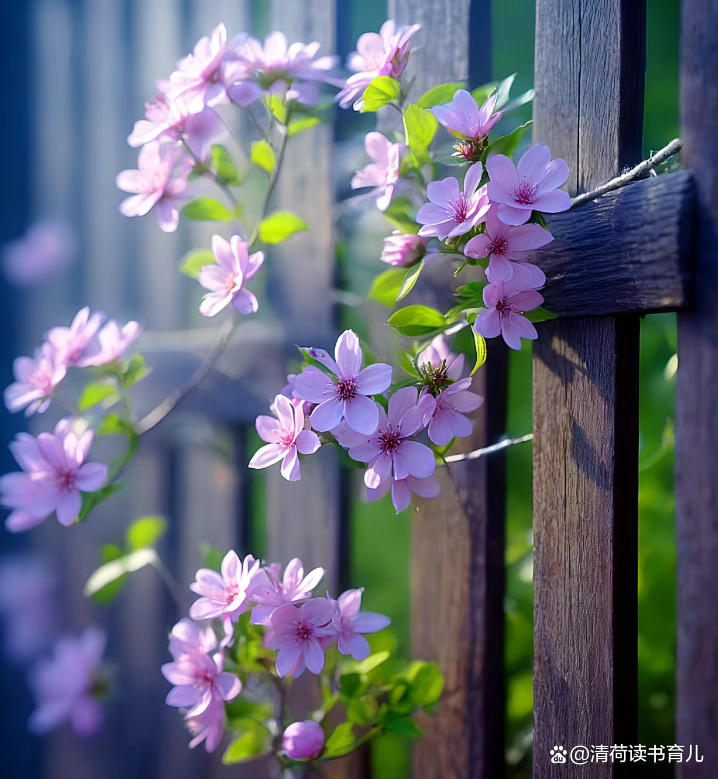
{"points": [[303, 740], [402, 250]]}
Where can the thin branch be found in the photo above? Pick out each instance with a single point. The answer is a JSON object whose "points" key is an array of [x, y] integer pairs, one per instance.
{"points": [[171, 401], [259, 127], [457, 458], [626, 178], [271, 187]]}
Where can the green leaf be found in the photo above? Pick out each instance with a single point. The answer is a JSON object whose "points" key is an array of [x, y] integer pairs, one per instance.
{"points": [[481, 351], [224, 165], [482, 93], [349, 684], [114, 424], [539, 314], [146, 532], [193, 262], [96, 393], [302, 123], [507, 144], [417, 321], [206, 209], [404, 727], [263, 156], [243, 708], [526, 97], [253, 741], [425, 684], [365, 666], [440, 95], [110, 552], [382, 91], [279, 226], [474, 290], [316, 363], [401, 214], [341, 742], [277, 108], [503, 88], [135, 371], [212, 557], [90, 500], [112, 571], [420, 126], [410, 278], [386, 286]]}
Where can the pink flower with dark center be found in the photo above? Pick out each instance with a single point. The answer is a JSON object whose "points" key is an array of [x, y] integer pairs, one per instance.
{"points": [[448, 420], [224, 595], [381, 174], [532, 185], [66, 685], [36, 379], [225, 280], [452, 212], [286, 439], [464, 119], [79, 341], [506, 302], [438, 365], [303, 740], [111, 343], [403, 250], [378, 54], [270, 591], [351, 624], [54, 476], [390, 452], [344, 394], [171, 120], [45, 249], [402, 489], [159, 182], [208, 726], [296, 633], [505, 246]]}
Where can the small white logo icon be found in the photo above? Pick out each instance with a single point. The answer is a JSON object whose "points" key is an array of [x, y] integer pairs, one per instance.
{"points": [[558, 755]]}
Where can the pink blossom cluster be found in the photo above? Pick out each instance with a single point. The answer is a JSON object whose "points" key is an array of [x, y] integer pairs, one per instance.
{"points": [[92, 340], [337, 399], [299, 627]]}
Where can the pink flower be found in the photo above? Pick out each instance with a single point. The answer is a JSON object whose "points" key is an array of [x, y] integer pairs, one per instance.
{"points": [[383, 173], [189, 638], [225, 595], [296, 632], [345, 395], [506, 301], [530, 186], [286, 438], [351, 624], [452, 212], [505, 245], [448, 420], [382, 54], [225, 280], [401, 490], [153, 185], [303, 740], [36, 379], [46, 248], [111, 343], [198, 679], [78, 342], [390, 452], [54, 476], [270, 592], [438, 363], [464, 119], [171, 120], [403, 250], [208, 726], [64, 684]]}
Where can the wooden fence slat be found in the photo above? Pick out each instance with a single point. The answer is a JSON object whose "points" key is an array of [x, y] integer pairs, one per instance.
{"points": [[590, 58], [458, 542], [697, 410]]}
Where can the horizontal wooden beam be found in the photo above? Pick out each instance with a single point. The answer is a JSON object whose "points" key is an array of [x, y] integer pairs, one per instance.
{"points": [[629, 251]]}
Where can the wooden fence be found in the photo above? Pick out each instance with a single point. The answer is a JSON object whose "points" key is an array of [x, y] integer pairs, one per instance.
{"points": [[650, 247]]}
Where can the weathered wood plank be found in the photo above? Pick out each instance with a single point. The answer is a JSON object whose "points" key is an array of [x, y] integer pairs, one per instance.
{"points": [[589, 109], [697, 407], [457, 610], [628, 252]]}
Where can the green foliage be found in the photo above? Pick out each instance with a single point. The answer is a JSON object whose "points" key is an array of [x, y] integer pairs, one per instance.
{"points": [[135, 370], [410, 278], [146, 532], [263, 156], [539, 314], [253, 741], [194, 261], [96, 393], [302, 123], [401, 214], [440, 95], [420, 127], [207, 209], [507, 144], [341, 742], [386, 286], [382, 91], [417, 321], [279, 226], [224, 166], [114, 570]]}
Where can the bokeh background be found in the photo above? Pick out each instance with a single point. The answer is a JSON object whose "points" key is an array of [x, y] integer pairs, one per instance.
{"points": [[76, 75]]}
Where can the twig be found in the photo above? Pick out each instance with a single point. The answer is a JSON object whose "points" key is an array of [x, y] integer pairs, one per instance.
{"points": [[272, 185], [259, 127], [626, 178], [505, 444], [170, 402]]}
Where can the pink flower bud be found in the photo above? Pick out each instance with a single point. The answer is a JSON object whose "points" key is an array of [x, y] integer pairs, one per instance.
{"points": [[303, 740], [403, 251]]}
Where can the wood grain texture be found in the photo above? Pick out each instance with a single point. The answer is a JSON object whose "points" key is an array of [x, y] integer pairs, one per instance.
{"points": [[697, 405], [458, 542], [589, 109], [628, 252]]}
